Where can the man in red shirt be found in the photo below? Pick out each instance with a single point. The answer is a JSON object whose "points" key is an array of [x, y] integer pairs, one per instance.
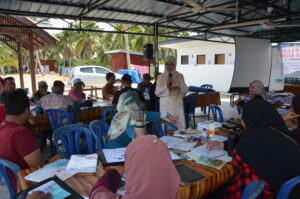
{"points": [[17, 143]]}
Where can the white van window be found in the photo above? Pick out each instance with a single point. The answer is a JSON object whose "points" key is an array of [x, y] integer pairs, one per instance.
{"points": [[87, 70]]}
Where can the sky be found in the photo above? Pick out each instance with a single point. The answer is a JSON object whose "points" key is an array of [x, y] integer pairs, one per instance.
{"points": [[60, 23]]}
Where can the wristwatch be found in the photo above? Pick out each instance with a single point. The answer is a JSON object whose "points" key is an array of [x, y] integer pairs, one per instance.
{"points": [[140, 124]]}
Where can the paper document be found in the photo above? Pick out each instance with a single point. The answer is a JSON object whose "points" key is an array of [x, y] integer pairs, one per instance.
{"points": [[219, 138], [52, 187], [117, 155], [202, 150], [57, 168], [83, 163], [174, 156], [178, 143], [207, 161]]}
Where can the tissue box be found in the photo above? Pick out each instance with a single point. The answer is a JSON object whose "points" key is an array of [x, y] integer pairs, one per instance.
{"points": [[202, 125]]}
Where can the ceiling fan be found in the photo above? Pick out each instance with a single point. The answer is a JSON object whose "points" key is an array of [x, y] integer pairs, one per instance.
{"points": [[198, 7]]}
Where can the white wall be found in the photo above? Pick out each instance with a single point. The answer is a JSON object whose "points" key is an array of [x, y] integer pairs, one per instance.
{"points": [[276, 72], [219, 76]]}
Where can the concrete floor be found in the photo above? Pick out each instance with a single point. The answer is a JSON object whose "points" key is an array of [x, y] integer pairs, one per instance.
{"points": [[228, 113]]}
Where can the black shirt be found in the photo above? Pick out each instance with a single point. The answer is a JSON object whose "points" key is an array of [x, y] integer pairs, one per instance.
{"points": [[37, 96], [126, 89]]}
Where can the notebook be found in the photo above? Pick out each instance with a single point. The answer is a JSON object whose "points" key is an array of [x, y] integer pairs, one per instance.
{"points": [[187, 174]]}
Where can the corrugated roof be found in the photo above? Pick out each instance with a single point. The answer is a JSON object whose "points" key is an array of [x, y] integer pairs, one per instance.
{"points": [[148, 12]]}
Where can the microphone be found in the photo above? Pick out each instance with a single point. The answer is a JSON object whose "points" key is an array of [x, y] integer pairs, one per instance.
{"points": [[170, 83]]}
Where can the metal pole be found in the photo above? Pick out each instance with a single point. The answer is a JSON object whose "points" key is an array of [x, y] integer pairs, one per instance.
{"points": [[20, 64], [156, 52], [32, 65]]}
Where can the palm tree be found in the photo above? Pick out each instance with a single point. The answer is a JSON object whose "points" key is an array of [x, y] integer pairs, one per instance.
{"points": [[7, 58]]}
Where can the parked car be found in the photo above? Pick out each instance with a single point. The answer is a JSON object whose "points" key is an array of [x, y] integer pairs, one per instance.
{"points": [[91, 75]]}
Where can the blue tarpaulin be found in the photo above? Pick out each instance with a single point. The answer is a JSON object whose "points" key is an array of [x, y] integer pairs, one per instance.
{"points": [[135, 75]]}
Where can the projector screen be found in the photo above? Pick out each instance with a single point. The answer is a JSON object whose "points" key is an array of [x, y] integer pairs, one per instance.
{"points": [[252, 62]]}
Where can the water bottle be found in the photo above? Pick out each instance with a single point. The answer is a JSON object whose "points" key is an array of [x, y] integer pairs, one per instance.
{"points": [[203, 136], [146, 94]]}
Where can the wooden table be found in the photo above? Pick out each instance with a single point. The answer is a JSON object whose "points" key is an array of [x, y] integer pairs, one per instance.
{"points": [[295, 89], [83, 182], [87, 114], [206, 99]]}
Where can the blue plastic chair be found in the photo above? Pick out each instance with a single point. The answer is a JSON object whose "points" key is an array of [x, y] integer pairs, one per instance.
{"points": [[57, 118], [99, 131], [205, 86], [287, 187], [189, 108], [4, 166], [253, 189], [75, 138], [166, 126], [197, 89], [216, 110], [107, 111]]}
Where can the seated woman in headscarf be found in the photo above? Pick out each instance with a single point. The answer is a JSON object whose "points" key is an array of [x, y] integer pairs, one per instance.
{"points": [[255, 88], [171, 88], [265, 151], [149, 173], [129, 115], [128, 108]]}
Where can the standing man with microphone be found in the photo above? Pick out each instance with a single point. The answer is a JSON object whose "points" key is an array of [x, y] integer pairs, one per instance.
{"points": [[171, 88]]}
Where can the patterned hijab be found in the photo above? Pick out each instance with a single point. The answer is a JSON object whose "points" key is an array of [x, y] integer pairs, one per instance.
{"points": [[128, 106]]}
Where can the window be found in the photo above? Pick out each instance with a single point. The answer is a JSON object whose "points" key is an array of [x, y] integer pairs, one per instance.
{"points": [[219, 58], [200, 59], [87, 70], [101, 71], [184, 59]]}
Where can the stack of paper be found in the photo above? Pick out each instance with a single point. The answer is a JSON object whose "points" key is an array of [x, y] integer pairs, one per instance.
{"points": [[57, 168], [178, 143], [202, 150], [83, 163], [207, 161]]}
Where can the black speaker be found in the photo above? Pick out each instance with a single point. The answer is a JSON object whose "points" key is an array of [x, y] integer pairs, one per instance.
{"points": [[148, 51]]}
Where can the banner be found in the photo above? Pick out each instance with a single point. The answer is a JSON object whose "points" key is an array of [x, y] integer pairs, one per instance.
{"points": [[289, 57]]}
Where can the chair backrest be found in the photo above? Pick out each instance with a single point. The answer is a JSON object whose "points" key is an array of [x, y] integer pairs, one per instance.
{"points": [[6, 165], [58, 118], [207, 86], [168, 125], [253, 189], [189, 103], [99, 131], [287, 187], [105, 112], [75, 138], [216, 110], [289, 80], [297, 80], [197, 89]]}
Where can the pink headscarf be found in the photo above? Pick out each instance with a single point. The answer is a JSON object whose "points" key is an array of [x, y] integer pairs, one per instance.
{"points": [[149, 170]]}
